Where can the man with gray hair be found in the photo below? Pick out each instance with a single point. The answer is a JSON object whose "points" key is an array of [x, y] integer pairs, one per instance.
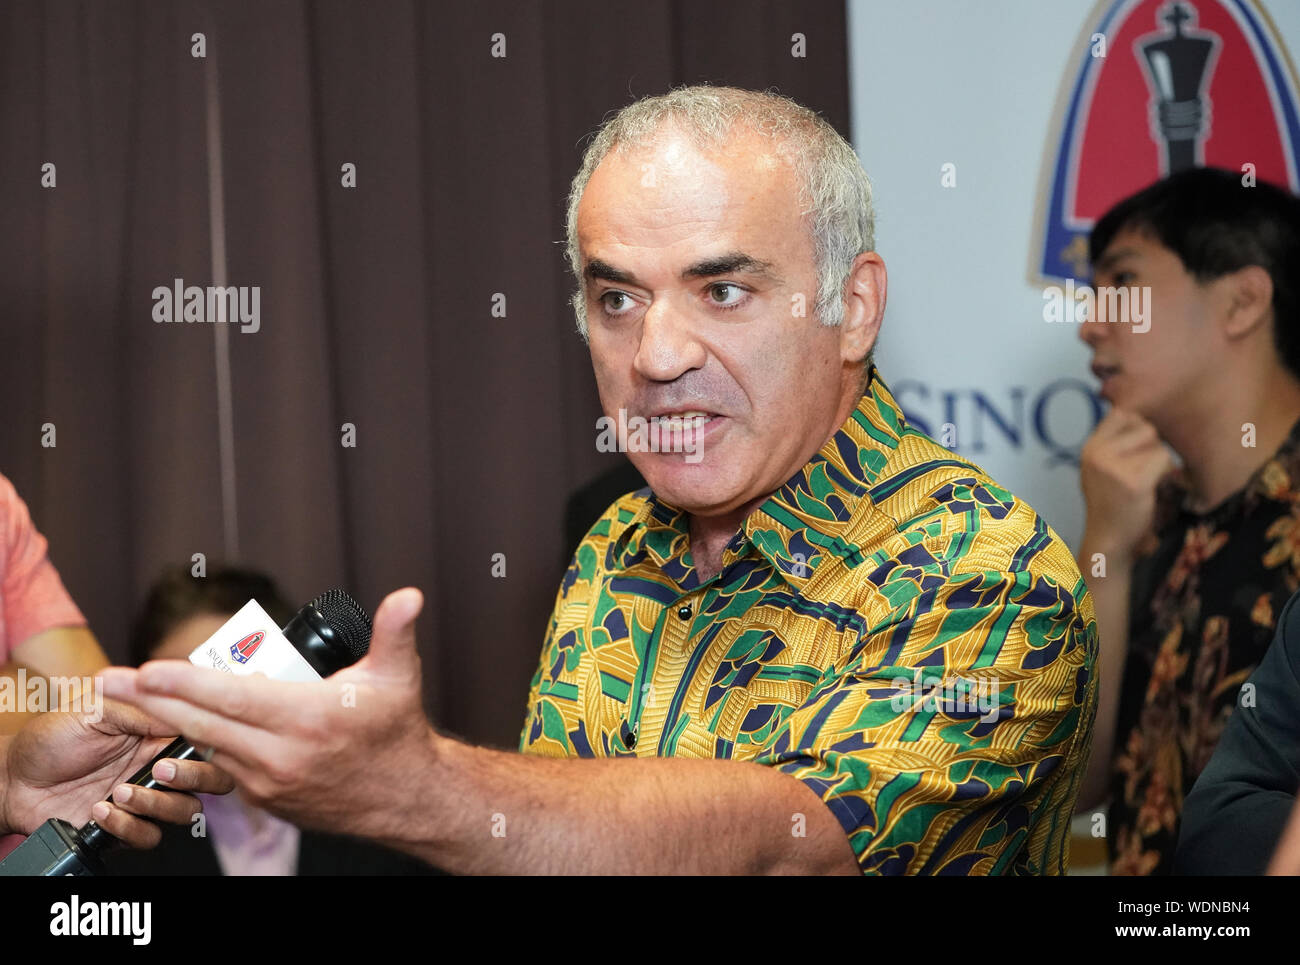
{"points": [[817, 642]]}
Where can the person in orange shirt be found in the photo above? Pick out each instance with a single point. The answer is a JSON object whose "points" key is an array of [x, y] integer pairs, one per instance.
{"points": [[66, 764], [42, 632]]}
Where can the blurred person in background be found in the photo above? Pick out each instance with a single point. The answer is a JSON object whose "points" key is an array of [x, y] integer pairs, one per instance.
{"points": [[180, 612], [1241, 817], [1189, 561]]}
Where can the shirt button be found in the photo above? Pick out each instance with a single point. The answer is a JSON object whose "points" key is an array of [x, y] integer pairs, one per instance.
{"points": [[684, 611], [631, 741]]}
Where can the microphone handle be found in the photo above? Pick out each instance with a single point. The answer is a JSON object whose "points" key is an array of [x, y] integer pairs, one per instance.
{"points": [[92, 835], [316, 641]]}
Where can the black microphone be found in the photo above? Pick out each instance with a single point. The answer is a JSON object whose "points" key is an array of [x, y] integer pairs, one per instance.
{"points": [[330, 633]]}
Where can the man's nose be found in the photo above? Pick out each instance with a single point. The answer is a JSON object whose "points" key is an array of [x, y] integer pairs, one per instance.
{"points": [[669, 347], [1094, 328]]}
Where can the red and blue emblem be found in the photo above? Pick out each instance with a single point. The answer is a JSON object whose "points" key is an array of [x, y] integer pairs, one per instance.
{"points": [[245, 648], [1181, 84]]}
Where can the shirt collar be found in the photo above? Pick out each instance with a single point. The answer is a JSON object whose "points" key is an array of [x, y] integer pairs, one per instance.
{"points": [[1274, 480], [801, 524]]}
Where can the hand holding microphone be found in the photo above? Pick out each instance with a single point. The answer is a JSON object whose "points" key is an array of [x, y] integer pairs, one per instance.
{"points": [[328, 634], [347, 754], [63, 763]]}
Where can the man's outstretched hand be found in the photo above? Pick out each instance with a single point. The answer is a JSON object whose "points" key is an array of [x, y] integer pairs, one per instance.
{"points": [[64, 765], [348, 754]]}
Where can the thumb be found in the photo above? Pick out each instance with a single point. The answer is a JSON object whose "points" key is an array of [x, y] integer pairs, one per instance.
{"points": [[392, 644]]}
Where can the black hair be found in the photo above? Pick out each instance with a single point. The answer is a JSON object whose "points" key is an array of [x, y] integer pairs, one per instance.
{"points": [[1216, 225], [178, 595]]}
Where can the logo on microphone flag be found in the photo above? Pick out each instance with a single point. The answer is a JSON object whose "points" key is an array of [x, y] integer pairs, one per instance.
{"points": [[246, 647], [261, 648], [1164, 86]]}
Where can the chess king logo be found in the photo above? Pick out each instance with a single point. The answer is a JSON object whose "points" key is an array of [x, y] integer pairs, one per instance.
{"points": [[245, 648], [1166, 86]]}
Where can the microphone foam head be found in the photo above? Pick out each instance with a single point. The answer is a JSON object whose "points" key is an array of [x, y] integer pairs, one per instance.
{"points": [[348, 618]]}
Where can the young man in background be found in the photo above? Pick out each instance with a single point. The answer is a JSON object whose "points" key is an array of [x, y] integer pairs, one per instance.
{"points": [[1189, 565]]}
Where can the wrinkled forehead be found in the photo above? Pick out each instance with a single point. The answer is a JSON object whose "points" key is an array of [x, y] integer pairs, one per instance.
{"points": [[671, 188]]}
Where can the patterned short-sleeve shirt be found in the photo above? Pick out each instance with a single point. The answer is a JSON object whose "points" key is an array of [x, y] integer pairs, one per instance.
{"points": [[1207, 590], [891, 628]]}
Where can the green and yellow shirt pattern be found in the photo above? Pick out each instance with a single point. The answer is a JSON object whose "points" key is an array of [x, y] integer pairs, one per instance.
{"points": [[891, 627]]}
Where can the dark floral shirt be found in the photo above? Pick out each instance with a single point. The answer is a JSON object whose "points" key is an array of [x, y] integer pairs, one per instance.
{"points": [[1206, 593]]}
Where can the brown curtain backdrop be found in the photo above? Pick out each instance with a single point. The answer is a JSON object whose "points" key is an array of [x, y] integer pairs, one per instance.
{"points": [[376, 301]]}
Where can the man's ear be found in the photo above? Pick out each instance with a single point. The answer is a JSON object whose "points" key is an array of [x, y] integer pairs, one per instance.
{"points": [[864, 306], [1249, 295]]}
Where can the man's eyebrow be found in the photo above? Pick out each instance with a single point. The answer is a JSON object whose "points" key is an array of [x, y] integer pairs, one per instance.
{"points": [[597, 269], [733, 263]]}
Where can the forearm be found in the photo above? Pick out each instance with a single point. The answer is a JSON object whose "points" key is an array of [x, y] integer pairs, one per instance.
{"points": [[61, 652], [70, 653], [1238, 809], [1110, 597], [483, 811], [1286, 859]]}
